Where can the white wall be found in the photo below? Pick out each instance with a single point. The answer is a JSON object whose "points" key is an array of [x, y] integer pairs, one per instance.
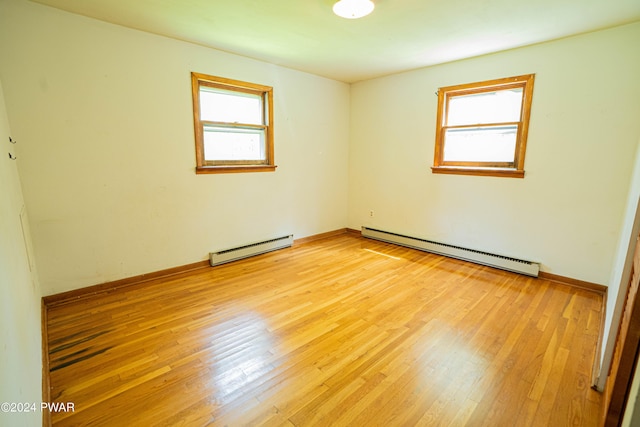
{"points": [[566, 213], [20, 330], [104, 115]]}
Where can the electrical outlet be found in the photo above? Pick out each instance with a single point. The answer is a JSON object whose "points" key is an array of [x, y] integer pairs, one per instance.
{"points": [[371, 214]]}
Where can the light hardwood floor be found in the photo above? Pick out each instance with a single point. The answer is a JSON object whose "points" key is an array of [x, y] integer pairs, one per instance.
{"points": [[342, 331]]}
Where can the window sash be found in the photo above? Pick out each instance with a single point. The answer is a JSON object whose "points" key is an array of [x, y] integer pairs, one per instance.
{"points": [[225, 144], [479, 149], [231, 106], [488, 110]]}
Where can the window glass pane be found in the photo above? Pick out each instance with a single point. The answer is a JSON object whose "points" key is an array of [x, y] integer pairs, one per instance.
{"points": [[483, 144], [487, 107], [219, 105], [233, 144]]}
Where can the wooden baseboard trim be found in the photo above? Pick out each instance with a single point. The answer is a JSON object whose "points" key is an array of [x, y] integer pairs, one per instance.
{"points": [[65, 297], [46, 385], [573, 282], [320, 236], [75, 294], [601, 289]]}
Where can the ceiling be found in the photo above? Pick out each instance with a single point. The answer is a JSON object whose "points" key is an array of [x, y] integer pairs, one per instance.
{"points": [[399, 35]]}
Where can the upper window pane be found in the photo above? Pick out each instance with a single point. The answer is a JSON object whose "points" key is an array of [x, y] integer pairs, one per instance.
{"points": [[488, 107], [219, 105]]}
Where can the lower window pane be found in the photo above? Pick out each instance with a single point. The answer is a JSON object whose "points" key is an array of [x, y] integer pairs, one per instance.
{"points": [[483, 144], [222, 144]]}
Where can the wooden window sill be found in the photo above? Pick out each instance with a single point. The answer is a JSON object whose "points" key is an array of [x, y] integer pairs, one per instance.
{"points": [[456, 170], [235, 169]]}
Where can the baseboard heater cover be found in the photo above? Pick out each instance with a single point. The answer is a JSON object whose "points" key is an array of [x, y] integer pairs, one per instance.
{"points": [[528, 268], [252, 249]]}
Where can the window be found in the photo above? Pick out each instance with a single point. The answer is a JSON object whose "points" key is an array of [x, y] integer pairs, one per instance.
{"points": [[482, 127], [233, 125]]}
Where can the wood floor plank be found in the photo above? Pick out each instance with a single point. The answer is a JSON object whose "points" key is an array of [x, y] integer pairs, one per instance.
{"points": [[341, 331]]}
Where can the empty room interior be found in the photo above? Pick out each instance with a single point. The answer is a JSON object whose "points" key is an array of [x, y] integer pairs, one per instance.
{"points": [[262, 213]]}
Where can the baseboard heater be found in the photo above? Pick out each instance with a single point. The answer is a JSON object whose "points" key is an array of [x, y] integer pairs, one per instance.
{"points": [[479, 257], [252, 249]]}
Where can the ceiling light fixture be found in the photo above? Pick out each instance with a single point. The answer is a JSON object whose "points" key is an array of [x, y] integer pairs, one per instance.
{"points": [[353, 9]]}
